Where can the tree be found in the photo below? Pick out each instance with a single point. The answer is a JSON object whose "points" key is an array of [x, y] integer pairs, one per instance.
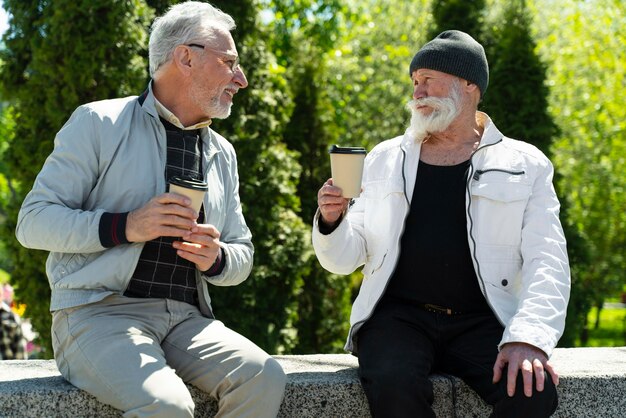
{"points": [[302, 35], [463, 15], [585, 44], [264, 308], [325, 300], [367, 81], [58, 55], [336, 101], [517, 97], [7, 190]]}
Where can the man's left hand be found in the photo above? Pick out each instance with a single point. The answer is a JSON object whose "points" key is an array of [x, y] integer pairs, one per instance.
{"points": [[201, 246], [527, 358]]}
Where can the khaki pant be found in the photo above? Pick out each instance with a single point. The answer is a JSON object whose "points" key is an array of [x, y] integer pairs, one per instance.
{"points": [[137, 354]]}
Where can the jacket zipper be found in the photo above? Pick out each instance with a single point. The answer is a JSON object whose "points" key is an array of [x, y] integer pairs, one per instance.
{"points": [[479, 173], [406, 198], [476, 175]]}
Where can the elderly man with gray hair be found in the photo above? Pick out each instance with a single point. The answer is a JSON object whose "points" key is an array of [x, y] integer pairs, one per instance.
{"points": [[130, 263]]}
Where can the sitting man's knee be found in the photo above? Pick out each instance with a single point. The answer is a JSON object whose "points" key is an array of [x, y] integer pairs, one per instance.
{"points": [[394, 382], [272, 374], [540, 404], [173, 405]]}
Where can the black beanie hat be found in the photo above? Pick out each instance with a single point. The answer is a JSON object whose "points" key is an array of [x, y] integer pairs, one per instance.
{"points": [[456, 53]]}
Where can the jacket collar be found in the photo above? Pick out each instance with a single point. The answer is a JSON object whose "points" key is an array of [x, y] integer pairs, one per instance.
{"points": [[491, 134], [147, 101]]}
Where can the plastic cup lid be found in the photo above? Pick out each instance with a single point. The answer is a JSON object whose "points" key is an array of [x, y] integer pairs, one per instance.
{"points": [[189, 183], [335, 149]]}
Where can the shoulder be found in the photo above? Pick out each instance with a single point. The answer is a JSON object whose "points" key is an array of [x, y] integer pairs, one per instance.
{"points": [[383, 149], [106, 110], [526, 151], [224, 148], [220, 142]]}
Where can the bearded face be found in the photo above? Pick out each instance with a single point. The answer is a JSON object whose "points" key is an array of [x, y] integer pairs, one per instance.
{"points": [[215, 101], [444, 111]]}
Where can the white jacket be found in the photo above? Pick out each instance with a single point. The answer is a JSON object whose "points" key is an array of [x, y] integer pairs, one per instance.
{"points": [[515, 236]]}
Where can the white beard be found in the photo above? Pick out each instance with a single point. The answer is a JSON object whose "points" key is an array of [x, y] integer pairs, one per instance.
{"points": [[213, 108], [444, 111], [220, 111]]}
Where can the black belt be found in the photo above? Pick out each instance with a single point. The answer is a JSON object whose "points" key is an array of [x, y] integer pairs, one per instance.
{"points": [[438, 309]]}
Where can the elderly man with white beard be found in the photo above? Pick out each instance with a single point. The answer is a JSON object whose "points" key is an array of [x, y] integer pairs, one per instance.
{"points": [[465, 262]]}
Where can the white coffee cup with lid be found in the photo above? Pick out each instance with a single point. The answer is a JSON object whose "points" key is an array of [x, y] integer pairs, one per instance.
{"points": [[346, 166], [192, 188]]}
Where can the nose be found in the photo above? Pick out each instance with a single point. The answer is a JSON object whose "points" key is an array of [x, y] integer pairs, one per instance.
{"points": [[419, 92], [240, 78]]}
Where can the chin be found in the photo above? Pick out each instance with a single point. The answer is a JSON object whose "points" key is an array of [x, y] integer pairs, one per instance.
{"points": [[222, 114]]}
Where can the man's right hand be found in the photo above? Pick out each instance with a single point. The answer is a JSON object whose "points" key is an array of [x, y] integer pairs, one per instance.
{"points": [[332, 205], [167, 215]]}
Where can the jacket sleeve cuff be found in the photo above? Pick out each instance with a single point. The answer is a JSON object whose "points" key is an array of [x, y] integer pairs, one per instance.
{"points": [[112, 229], [218, 265], [326, 228]]}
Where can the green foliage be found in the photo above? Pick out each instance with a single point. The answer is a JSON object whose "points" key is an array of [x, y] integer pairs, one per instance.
{"points": [[264, 307], [325, 300], [463, 15], [245, 14], [301, 31], [324, 72], [58, 55], [368, 80], [312, 22], [585, 45], [516, 70], [4, 277], [161, 6], [612, 329], [7, 190]]}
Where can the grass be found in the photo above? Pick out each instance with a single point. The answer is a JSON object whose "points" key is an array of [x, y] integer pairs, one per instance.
{"points": [[612, 329]]}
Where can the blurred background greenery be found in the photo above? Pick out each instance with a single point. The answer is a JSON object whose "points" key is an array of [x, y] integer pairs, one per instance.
{"points": [[336, 71]]}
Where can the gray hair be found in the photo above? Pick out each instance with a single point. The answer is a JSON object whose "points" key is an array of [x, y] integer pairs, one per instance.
{"points": [[185, 23]]}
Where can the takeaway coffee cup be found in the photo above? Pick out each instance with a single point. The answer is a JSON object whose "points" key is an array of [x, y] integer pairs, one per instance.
{"points": [[192, 188], [346, 166]]}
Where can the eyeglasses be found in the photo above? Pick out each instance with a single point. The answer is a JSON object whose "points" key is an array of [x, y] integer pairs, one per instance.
{"points": [[231, 60]]}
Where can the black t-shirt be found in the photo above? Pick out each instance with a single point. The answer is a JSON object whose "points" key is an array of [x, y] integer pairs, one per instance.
{"points": [[435, 263]]}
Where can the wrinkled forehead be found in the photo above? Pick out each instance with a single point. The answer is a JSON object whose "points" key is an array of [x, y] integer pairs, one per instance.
{"points": [[428, 73]]}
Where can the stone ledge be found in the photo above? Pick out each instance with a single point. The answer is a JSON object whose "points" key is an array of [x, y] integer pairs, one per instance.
{"points": [[593, 384]]}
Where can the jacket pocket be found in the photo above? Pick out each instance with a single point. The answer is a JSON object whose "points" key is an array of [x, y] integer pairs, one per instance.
{"points": [[384, 206], [501, 268], [501, 191], [497, 206], [373, 265], [501, 265], [67, 264], [381, 189]]}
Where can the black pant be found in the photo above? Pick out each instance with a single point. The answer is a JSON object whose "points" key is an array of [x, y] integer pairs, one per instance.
{"points": [[401, 344]]}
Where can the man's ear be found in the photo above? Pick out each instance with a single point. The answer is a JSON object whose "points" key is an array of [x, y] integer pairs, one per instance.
{"points": [[470, 87], [181, 58]]}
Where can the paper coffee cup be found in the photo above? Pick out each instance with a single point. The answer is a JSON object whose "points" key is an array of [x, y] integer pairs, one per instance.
{"points": [[346, 166], [192, 188]]}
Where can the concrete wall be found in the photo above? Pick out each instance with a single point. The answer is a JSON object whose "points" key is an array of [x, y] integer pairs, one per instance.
{"points": [[593, 384]]}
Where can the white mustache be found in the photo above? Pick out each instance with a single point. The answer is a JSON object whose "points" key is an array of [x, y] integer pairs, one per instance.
{"points": [[434, 102], [232, 90]]}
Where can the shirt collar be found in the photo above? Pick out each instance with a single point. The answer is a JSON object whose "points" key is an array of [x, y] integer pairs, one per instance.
{"points": [[173, 119]]}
